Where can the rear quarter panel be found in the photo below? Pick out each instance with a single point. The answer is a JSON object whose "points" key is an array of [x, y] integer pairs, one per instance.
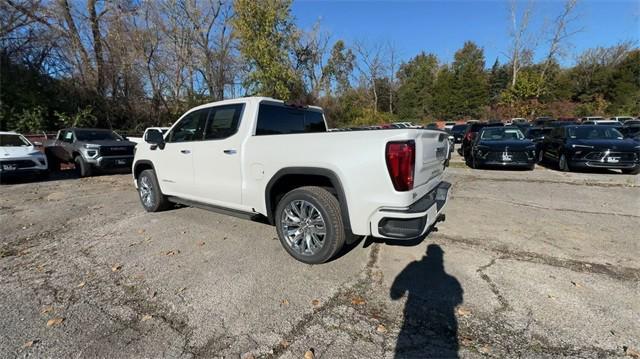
{"points": [[357, 158]]}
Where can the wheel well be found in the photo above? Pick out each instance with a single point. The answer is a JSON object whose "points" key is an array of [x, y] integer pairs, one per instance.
{"points": [[290, 182], [141, 167]]}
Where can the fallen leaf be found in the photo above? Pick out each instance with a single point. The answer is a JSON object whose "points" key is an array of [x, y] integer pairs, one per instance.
{"points": [[180, 290], [381, 329], [284, 302], [116, 267], [631, 352], [80, 285], [576, 284], [463, 311], [466, 341], [358, 300], [315, 302], [146, 317], [54, 321], [551, 296], [485, 349], [201, 243], [248, 356], [47, 309], [30, 343], [284, 344], [309, 354], [172, 253], [140, 231]]}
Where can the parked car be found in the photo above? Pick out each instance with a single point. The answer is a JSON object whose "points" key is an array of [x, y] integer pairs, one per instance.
{"points": [[622, 119], [631, 123], [543, 121], [518, 120], [560, 123], [458, 132], [449, 125], [260, 158], [502, 146], [630, 131], [537, 135], [89, 149], [19, 157], [591, 146], [163, 130], [470, 135], [600, 121]]}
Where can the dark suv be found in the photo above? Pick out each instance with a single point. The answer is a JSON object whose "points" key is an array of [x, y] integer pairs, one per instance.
{"points": [[89, 149], [591, 146], [470, 135]]}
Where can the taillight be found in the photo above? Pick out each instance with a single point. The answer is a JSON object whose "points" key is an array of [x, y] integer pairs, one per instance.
{"points": [[401, 160], [469, 136]]}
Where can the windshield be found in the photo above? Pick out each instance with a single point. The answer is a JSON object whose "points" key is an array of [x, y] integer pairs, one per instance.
{"points": [[498, 134], [97, 135], [13, 141], [594, 133]]}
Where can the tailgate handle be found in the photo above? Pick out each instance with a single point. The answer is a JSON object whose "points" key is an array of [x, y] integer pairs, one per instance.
{"points": [[186, 152], [230, 152]]}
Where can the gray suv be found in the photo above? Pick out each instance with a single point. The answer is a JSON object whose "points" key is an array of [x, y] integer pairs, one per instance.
{"points": [[89, 149]]}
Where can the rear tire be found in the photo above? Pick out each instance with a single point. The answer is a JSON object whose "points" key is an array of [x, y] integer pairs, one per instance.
{"points": [[83, 169], [303, 216], [149, 192]]}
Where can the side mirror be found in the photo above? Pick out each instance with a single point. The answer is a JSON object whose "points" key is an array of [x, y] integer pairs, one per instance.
{"points": [[37, 144], [155, 138]]}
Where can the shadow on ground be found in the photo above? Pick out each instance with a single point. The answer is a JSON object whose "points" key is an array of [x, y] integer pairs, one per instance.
{"points": [[429, 328]]}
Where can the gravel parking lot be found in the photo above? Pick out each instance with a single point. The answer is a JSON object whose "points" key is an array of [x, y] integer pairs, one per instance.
{"points": [[528, 263]]}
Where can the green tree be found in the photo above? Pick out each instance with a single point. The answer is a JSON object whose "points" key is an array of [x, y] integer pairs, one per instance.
{"points": [[444, 94], [339, 68], [470, 81], [266, 32], [499, 80], [415, 93]]}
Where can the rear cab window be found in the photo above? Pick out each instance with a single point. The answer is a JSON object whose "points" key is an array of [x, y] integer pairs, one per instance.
{"points": [[279, 119]]}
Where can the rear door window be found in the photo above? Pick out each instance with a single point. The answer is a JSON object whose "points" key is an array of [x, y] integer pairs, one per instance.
{"points": [[223, 121], [276, 119]]}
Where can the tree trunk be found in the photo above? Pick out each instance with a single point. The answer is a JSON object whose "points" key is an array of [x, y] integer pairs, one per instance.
{"points": [[97, 46]]}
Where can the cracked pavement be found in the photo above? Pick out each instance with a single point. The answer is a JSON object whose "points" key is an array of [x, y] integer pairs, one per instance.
{"points": [[527, 264]]}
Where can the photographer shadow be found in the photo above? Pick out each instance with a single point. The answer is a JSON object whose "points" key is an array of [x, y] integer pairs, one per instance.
{"points": [[430, 328]]}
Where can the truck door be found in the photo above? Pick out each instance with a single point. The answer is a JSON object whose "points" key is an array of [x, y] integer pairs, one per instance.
{"points": [[217, 158], [174, 164]]}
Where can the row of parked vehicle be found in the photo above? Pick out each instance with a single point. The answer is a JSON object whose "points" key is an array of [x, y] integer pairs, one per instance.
{"points": [[594, 143]]}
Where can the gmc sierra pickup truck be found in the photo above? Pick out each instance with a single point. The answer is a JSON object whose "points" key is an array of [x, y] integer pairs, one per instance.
{"points": [[89, 149], [267, 160]]}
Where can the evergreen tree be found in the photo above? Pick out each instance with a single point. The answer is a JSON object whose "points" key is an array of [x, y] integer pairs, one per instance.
{"points": [[470, 81], [415, 93], [499, 80]]}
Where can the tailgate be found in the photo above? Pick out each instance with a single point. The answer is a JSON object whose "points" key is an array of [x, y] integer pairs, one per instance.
{"points": [[431, 153]]}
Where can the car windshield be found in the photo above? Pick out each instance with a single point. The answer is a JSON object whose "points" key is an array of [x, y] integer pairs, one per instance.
{"points": [[498, 134], [97, 135], [594, 133], [13, 141], [459, 128]]}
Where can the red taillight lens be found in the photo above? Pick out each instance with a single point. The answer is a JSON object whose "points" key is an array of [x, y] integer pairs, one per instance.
{"points": [[469, 136], [401, 160]]}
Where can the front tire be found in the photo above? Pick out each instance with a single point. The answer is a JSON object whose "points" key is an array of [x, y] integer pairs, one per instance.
{"points": [[310, 225], [631, 171], [563, 164], [149, 192], [83, 169]]}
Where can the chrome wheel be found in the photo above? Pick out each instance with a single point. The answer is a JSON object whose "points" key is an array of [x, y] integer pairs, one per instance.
{"points": [[145, 188], [303, 227]]}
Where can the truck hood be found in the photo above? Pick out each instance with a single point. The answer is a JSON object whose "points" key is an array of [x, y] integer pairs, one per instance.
{"points": [[108, 143], [17, 151]]}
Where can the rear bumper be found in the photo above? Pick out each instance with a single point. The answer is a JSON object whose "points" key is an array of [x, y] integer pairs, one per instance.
{"points": [[413, 221]]}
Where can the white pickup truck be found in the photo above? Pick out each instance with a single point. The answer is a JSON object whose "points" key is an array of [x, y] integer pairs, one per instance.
{"points": [[266, 160]]}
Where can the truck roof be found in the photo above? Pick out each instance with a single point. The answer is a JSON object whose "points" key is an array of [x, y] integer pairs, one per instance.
{"points": [[8, 133], [251, 99]]}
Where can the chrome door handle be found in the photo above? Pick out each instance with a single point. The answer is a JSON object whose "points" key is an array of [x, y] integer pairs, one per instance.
{"points": [[186, 152], [230, 152]]}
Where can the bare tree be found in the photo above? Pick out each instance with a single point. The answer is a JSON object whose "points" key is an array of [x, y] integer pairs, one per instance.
{"points": [[518, 34], [561, 34], [392, 52], [370, 66]]}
